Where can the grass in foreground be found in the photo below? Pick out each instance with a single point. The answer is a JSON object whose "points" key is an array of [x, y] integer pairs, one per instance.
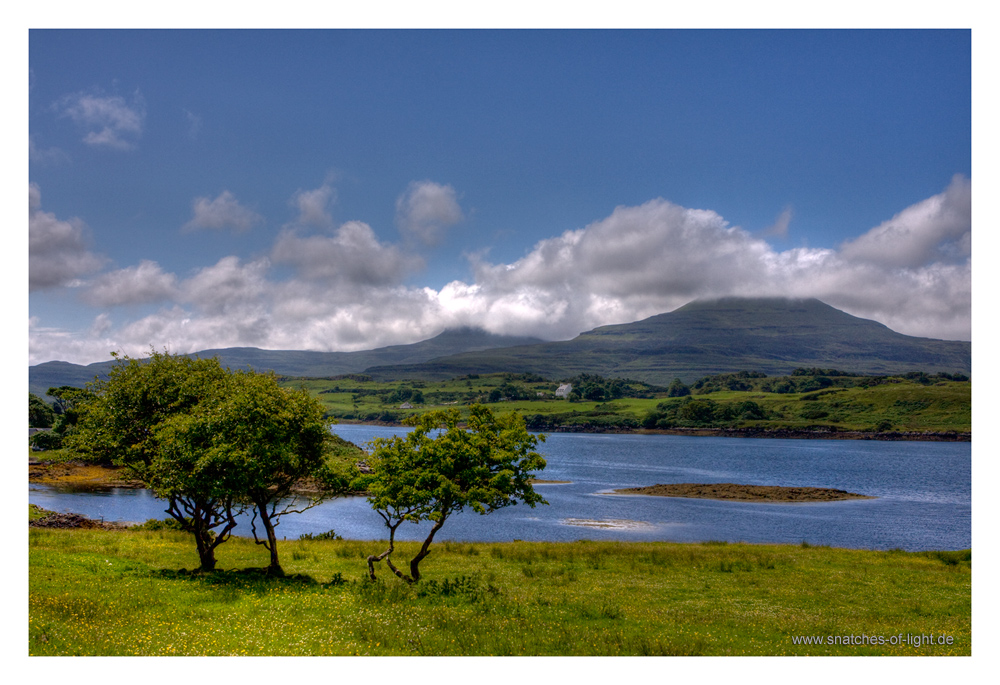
{"points": [[96, 592]]}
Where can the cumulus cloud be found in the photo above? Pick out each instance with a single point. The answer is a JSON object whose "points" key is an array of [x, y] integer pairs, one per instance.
{"points": [[140, 284], [313, 206], [351, 255], [937, 229], [346, 290], [227, 285], [109, 120], [644, 260], [58, 252], [426, 210], [221, 213]]}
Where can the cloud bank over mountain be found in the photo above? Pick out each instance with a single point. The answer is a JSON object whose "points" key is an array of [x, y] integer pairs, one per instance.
{"points": [[324, 286]]}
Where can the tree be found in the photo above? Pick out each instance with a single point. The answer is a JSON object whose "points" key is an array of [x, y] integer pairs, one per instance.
{"points": [[678, 389], [40, 414], [209, 441], [271, 439], [440, 468], [135, 419]]}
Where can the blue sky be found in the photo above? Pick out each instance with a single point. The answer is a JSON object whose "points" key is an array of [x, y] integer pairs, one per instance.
{"points": [[351, 189]]}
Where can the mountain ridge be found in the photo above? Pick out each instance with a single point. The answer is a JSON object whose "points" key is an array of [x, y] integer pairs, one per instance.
{"points": [[307, 363], [701, 338], [705, 337]]}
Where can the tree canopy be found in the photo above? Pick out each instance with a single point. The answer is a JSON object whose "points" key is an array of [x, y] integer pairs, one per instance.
{"points": [[40, 414], [209, 441], [440, 468]]}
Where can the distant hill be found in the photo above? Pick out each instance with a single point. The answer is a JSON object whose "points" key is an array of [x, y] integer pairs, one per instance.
{"points": [[41, 377], [705, 337], [772, 335]]}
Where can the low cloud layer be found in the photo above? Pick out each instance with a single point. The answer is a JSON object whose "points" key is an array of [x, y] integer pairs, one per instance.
{"points": [[347, 289]]}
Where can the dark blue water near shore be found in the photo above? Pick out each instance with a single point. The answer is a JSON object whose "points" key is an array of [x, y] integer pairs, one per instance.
{"points": [[923, 491]]}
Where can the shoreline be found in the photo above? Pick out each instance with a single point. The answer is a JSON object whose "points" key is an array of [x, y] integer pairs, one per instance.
{"points": [[816, 433]]}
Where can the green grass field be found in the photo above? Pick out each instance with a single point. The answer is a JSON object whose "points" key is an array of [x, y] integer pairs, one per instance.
{"points": [[901, 406], [96, 592]]}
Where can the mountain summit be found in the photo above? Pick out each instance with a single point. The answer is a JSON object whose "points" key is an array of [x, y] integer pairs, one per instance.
{"points": [[704, 337]]}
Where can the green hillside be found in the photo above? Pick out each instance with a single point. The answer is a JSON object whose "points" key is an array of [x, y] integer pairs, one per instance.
{"points": [[811, 400], [772, 335]]}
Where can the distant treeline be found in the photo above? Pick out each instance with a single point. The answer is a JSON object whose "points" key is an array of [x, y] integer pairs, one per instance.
{"points": [[801, 380]]}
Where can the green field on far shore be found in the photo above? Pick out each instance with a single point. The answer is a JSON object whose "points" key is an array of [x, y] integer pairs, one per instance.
{"points": [[918, 404], [100, 592]]}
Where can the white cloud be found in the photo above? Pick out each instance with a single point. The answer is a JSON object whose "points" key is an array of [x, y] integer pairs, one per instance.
{"points": [[346, 289], [109, 120], [313, 206], [227, 286], [426, 210], [779, 229], [351, 255], [140, 284], [221, 213], [936, 229], [58, 251], [45, 156]]}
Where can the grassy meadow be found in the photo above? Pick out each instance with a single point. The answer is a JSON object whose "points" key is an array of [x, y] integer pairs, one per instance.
{"points": [[100, 592], [896, 405]]}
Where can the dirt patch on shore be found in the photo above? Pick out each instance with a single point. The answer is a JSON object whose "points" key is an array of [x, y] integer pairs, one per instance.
{"points": [[744, 493], [79, 475], [56, 520]]}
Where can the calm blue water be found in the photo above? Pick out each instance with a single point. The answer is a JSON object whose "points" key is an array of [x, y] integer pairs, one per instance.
{"points": [[924, 492]]}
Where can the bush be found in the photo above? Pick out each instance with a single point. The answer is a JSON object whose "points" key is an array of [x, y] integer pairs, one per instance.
{"points": [[328, 535], [158, 524]]}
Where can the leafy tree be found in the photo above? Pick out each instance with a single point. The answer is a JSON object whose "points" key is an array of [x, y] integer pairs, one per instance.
{"points": [[208, 441], [678, 389], [65, 412], [270, 439], [440, 468], [40, 414], [135, 419], [698, 412]]}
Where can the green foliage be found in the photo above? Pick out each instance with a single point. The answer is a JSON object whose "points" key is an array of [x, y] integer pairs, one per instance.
{"points": [[40, 414], [62, 416], [850, 403], [440, 468], [207, 440], [678, 388], [599, 389], [160, 524], [328, 535], [46, 440]]}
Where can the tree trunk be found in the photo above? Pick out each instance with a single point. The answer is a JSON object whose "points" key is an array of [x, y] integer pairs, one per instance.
{"points": [[424, 551], [274, 568], [384, 555], [206, 550]]}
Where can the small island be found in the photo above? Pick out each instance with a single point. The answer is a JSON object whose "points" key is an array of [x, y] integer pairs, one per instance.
{"points": [[743, 493]]}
